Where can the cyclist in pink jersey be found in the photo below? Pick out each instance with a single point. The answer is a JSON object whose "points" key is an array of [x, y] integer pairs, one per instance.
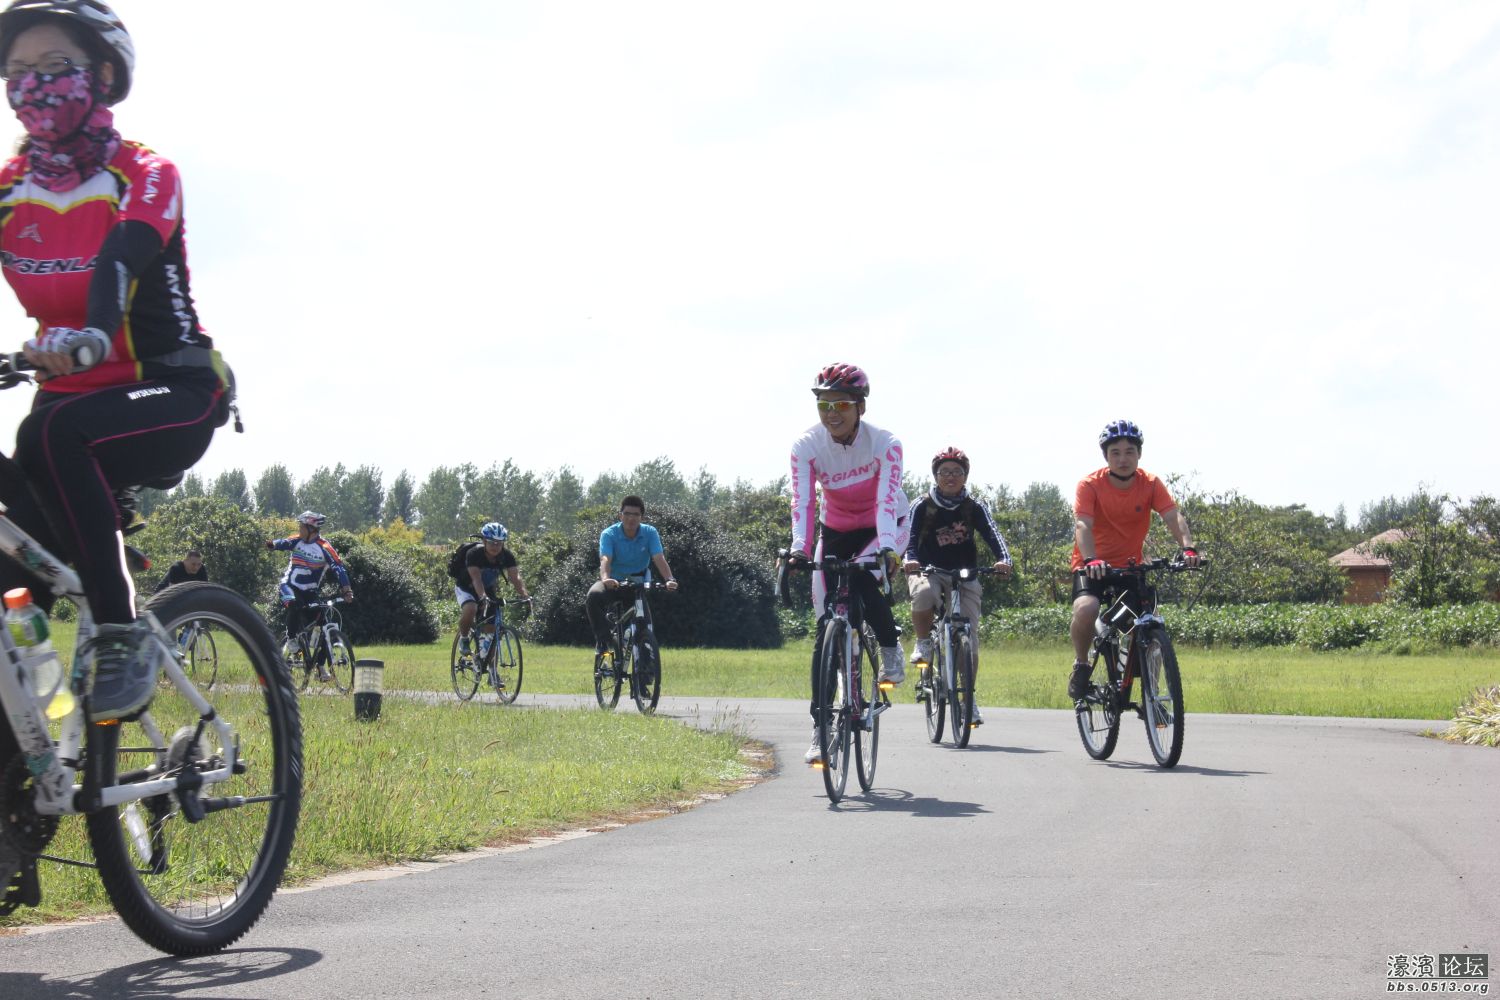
{"points": [[91, 241], [856, 467]]}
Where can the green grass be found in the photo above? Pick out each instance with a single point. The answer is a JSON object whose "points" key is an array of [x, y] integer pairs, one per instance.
{"points": [[1273, 681]]}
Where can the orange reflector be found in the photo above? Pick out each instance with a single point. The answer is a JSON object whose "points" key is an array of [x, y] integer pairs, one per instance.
{"points": [[817, 765], [887, 686]]}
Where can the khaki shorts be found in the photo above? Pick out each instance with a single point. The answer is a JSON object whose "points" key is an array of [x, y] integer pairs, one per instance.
{"points": [[931, 594]]}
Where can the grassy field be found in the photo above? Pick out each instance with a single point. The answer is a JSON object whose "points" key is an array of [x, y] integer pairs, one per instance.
{"points": [[1279, 681]]}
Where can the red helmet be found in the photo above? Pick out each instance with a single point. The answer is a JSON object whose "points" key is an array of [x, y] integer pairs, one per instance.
{"points": [[950, 454], [843, 378]]}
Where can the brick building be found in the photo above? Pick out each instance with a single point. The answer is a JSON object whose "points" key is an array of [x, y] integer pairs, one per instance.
{"points": [[1369, 575]]}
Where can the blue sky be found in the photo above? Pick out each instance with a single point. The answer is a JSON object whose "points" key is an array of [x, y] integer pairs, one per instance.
{"points": [[590, 234]]}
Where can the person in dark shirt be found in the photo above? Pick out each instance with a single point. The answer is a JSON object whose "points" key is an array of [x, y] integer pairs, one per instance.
{"points": [[944, 524], [190, 568]]}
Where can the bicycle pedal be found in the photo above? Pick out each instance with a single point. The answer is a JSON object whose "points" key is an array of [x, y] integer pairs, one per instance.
{"points": [[816, 765], [887, 685]]}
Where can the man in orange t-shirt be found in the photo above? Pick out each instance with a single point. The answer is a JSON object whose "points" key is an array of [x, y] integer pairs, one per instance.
{"points": [[1113, 509]]}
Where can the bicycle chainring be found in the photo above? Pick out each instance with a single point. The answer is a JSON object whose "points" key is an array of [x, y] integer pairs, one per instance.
{"points": [[22, 828]]}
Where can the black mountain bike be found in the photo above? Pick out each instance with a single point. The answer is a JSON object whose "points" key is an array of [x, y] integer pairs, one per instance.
{"points": [[849, 695], [633, 654], [321, 652], [1131, 641], [945, 687], [495, 653]]}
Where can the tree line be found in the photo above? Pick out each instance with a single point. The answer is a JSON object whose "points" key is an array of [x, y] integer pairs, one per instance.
{"points": [[1260, 553]]}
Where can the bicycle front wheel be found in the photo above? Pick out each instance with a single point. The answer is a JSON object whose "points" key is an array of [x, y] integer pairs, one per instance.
{"points": [[867, 695], [645, 676], [833, 711], [961, 702], [195, 888], [1097, 713], [933, 692], [1161, 697], [465, 673], [607, 679], [201, 659], [506, 655], [340, 662]]}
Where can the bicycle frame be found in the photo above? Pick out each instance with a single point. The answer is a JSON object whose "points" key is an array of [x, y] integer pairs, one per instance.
{"points": [[55, 767], [627, 624], [841, 598]]}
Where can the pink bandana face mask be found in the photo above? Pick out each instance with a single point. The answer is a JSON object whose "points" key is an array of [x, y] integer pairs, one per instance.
{"points": [[72, 131]]}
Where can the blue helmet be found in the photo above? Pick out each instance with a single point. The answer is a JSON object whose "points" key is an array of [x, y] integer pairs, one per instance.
{"points": [[494, 532], [1117, 429]]}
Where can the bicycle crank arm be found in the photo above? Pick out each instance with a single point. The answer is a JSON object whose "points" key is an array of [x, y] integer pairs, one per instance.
{"points": [[220, 803]]}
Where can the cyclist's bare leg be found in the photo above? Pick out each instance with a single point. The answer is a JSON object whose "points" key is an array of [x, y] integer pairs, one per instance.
{"points": [[466, 617], [1085, 610]]}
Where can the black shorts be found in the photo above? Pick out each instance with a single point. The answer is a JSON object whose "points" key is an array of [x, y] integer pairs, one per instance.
{"points": [[1083, 585]]}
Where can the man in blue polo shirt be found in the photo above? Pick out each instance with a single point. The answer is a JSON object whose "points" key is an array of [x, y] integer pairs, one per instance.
{"points": [[626, 549]]}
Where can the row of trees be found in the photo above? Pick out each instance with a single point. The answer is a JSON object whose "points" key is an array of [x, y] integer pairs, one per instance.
{"points": [[1259, 553]]}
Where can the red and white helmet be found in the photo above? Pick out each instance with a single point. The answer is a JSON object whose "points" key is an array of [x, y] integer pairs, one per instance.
{"points": [[839, 377], [311, 518], [93, 16], [950, 454]]}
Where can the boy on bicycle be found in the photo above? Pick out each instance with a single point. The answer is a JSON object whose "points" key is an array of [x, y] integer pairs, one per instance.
{"points": [[1113, 508], [482, 568], [626, 548], [943, 524], [312, 558], [862, 512]]}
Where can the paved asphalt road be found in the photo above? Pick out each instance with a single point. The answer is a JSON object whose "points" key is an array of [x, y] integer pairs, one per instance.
{"points": [[1283, 858]]}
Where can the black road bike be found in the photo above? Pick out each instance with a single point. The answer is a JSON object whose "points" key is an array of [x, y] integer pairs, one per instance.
{"points": [[1131, 641], [494, 656]]}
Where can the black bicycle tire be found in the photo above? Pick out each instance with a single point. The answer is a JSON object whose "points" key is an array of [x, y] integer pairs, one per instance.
{"points": [[343, 680], [463, 676], [229, 921], [833, 727], [936, 704], [646, 695], [961, 702], [607, 677], [203, 635], [508, 692], [306, 663], [1166, 753], [1099, 704], [867, 741]]}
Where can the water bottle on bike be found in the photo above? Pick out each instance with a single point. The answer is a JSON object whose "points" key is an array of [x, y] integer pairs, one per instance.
{"points": [[29, 628]]}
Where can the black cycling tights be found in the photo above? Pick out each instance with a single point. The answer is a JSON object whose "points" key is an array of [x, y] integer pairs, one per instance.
{"points": [[76, 449]]}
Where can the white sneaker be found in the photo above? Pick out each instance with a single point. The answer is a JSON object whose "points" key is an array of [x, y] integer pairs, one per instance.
{"points": [[892, 664], [923, 652], [814, 752], [975, 719]]}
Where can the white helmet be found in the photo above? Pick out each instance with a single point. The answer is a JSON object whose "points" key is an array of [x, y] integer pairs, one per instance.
{"points": [[93, 16], [311, 518]]}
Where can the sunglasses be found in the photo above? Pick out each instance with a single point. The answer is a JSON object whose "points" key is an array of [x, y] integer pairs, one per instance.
{"points": [[839, 405]]}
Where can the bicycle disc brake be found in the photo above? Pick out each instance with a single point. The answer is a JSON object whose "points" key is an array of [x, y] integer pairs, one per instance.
{"points": [[22, 828]]}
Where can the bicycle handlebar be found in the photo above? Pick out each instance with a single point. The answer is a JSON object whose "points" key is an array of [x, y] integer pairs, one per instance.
{"points": [[1151, 566], [789, 562], [968, 573]]}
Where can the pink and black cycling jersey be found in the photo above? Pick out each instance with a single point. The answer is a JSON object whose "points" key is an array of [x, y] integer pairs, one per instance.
{"points": [[860, 483], [124, 222]]}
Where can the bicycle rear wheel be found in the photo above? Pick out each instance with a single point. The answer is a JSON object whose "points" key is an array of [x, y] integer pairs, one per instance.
{"points": [[465, 673], [1161, 697], [506, 655], [867, 693], [833, 712], [195, 888], [961, 701], [201, 659], [934, 695], [645, 676], [1098, 717], [607, 678]]}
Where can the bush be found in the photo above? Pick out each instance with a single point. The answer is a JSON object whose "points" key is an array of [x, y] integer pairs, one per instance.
{"points": [[1478, 719], [232, 542], [726, 598], [1315, 626], [389, 606]]}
